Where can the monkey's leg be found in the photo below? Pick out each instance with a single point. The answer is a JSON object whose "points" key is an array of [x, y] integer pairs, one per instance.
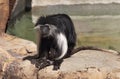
{"points": [[43, 60]]}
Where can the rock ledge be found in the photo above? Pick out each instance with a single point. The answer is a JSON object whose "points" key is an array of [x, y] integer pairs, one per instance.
{"points": [[87, 64]]}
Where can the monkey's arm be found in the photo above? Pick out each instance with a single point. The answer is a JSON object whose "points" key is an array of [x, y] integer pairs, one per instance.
{"points": [[31, 57]]}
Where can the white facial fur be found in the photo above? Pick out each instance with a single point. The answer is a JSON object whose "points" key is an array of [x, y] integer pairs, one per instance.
{"points": [[37, 27]]}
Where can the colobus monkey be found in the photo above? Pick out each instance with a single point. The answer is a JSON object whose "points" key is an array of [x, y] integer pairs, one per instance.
{"points": [[57, 39]]}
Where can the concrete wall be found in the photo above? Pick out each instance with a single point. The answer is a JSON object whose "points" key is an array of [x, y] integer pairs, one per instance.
{"points": [[71, 7], [75, 7], [55, 2], [18, 8]]}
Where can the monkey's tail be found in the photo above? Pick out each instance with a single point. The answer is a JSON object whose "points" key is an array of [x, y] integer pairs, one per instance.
{"points": [[91, 48]]}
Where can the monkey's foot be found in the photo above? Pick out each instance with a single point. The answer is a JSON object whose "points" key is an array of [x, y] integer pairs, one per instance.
{"points": [[56, 67], [57, 64]]}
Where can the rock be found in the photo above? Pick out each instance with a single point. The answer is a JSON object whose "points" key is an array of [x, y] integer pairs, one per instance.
{"points": [[87, 64], [12, 50], [17, 45], [4, 14]]}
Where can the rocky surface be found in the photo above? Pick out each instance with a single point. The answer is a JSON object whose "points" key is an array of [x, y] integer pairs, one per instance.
{"points": [[16, 45], [87, 64]]}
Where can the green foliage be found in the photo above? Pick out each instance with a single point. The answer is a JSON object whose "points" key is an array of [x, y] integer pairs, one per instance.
{"points": [[99, 41], [23, 28]]}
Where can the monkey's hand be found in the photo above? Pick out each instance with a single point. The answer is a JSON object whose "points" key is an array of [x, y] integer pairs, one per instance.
{"points": [[42, 63]]}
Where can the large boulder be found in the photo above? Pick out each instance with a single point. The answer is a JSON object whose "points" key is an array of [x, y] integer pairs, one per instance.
{"points": [[16, 45], [87, 64]]}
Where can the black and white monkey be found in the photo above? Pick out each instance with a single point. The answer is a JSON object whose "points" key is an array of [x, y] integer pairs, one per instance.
{"points": [[57, 39]]}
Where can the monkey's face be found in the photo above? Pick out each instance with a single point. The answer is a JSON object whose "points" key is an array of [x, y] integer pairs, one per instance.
{"points": [[47, 30], [44, 30]]}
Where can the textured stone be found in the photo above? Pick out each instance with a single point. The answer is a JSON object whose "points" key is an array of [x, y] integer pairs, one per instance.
{"points": [[4, 14], [87, 64], [17, 45]]}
